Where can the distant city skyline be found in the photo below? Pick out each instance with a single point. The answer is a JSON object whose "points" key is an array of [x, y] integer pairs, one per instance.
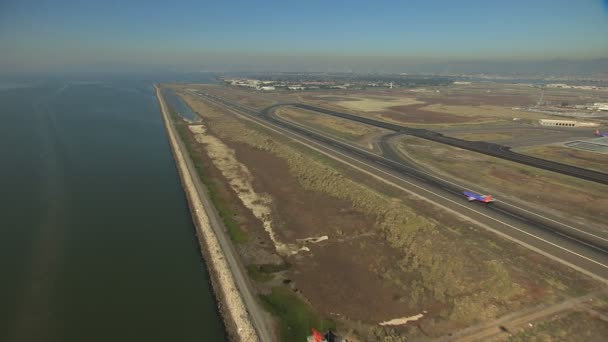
{"points": [[191, 35]]}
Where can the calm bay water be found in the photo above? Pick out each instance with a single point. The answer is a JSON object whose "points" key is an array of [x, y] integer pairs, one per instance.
{"points": [[96, 241]]}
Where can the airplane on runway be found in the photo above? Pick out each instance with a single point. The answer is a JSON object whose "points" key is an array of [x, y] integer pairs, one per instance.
{"points": [[471, 196], [329, 336], [600, 134]]}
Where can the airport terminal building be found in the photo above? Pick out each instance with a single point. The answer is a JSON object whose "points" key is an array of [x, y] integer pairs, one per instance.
{"points": [[566, 123]]}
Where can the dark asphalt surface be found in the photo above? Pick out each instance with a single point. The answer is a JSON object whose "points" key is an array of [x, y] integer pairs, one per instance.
{"points": [[535, 135], [260, 320], [492, 149], [578, 250]]}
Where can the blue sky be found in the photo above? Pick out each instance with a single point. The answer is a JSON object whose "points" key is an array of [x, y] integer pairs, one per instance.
{"points": [[53, 34]]}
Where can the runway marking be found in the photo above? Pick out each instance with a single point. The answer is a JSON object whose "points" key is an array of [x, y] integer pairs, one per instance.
{"points": [[278, 129], [554, 221], [456, 184]]}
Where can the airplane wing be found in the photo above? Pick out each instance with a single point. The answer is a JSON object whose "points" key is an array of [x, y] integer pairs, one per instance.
{"points": [[471, 198]]}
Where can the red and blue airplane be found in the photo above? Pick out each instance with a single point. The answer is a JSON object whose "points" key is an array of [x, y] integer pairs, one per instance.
{"points": [[471, 196], [600, 134]]}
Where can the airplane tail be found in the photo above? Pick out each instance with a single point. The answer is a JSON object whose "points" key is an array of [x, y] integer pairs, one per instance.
{"points": [[488, 199], [318, 337], [597, 132]]}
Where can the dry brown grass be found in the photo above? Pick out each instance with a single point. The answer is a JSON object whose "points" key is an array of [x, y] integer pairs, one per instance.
{"points": [[375, 104], [569, 326], [248, 98], [571, 156], [572, 197], [438, 265], [440, 275], [484, 111], [339, 127], [241, 181], [480, 136]]}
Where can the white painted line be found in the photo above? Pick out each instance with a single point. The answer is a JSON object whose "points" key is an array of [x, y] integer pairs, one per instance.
{"points": [[554, 221], [473, 210], [438, 195], [458, 185], [281, 131]]}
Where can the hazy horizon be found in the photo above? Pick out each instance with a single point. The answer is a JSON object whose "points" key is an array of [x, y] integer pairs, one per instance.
{"points": [[438, 36]]}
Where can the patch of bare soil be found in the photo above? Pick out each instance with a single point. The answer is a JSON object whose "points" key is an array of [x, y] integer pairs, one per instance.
{"points": [[576, 157], [335, 276], [413, 114], [556, 199], [302, 213], [327, 98], [336, 279], [483, 99], [458, 273], [259, 247], [510, 100], [240, 180]]}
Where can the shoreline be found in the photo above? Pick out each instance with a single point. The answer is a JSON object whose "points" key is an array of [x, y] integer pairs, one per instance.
{"points": [[231, 304]]}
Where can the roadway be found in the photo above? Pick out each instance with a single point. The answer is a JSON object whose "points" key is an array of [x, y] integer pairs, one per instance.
{"points": [[576, 248], [534, 135], [260, 319], [387, 143], [492, 149]]}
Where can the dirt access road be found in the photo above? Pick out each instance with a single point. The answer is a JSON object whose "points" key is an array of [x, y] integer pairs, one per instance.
{"points": [[252, 311], [518, 320]]}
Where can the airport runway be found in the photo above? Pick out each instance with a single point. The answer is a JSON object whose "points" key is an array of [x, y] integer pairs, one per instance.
{"points": [[587, 253], [492, 149], [535, 135]]}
